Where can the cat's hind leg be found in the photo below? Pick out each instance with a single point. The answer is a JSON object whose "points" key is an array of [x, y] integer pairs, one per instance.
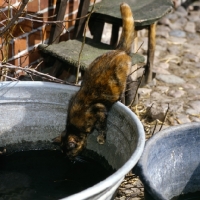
{"points": [[101, 123]]}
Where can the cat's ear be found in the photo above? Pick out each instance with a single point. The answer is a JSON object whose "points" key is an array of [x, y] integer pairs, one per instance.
{"points": [[58, 139]]}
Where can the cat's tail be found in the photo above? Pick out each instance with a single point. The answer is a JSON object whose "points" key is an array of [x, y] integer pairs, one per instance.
{"points": [[128, 28]]}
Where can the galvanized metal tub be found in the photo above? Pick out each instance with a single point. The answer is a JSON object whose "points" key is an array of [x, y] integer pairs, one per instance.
{"points": [[170, 163], [37, 111]]}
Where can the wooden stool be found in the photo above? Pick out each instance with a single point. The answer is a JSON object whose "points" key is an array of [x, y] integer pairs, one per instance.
{"points": [[146, 13], [67, 52]]}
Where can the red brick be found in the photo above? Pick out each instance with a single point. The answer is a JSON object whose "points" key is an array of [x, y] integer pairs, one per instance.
{"points": [[14, 62], [3, 16], [10, 51], [43, 17], [29, 58], [44, 4], [34, 38], [20, 44], [72, 5], [37, 24], [49, 3], [24, 60], [47, 16], [3, 3], [22, 27], [33, 56], [70, 21], [33, 6]]}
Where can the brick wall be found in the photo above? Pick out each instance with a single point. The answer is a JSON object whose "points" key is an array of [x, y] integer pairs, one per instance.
{"points": [[19, 45]]}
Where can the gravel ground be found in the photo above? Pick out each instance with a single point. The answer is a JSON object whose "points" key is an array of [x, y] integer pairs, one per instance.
{"points": [[176, 87]]}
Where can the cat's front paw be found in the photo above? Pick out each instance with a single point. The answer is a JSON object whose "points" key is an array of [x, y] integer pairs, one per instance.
{"points": [[101, 139]]}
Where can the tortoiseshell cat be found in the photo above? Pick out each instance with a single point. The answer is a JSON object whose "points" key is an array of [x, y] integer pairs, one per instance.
{"points": [[103, 84]]}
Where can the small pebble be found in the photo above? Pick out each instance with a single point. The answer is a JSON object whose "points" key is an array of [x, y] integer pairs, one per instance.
{"points": [[181, 12], [170, 78], [176, 93], [144, 91], [195, 105], [159, 70], [192, 57], [195, 119], [175, 40], [189, 86], [136, 190], [134, 198], [177, 33], [190, 27], [163, 89], [128, 186], [182, 118], [128, 191], [191, 111]]}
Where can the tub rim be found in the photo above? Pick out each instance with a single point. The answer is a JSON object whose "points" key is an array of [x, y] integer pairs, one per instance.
{"points": [[140, 168], [118, 176]]}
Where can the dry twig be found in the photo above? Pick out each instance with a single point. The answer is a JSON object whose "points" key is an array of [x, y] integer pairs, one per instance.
{"points": [[33, 72], [164, 117], [137, 90], [54, 22], [85, 28], [12, 21]]}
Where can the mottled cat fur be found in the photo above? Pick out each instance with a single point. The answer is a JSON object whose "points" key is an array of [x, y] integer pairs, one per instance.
{"points": [[103, 84]]}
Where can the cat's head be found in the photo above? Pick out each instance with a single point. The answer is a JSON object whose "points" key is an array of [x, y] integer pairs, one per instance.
{"points": [[72, 142]]}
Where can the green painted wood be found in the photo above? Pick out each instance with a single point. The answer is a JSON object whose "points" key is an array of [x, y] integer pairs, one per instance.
{"points": [[145, 12], [68, 52]]}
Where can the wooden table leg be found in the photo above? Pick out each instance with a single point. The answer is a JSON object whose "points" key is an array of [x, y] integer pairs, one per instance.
{"points": [[99, 25], [150, 53], [56, 29], [114, 35]]}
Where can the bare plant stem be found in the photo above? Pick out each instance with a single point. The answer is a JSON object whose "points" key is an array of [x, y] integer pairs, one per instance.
{"points": [[84, 35], [140, 47], [154, 127], [36, 73], [133, 72], [12, 21], [54, 22], [13, 79], [164, 117], [137, 90]]}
